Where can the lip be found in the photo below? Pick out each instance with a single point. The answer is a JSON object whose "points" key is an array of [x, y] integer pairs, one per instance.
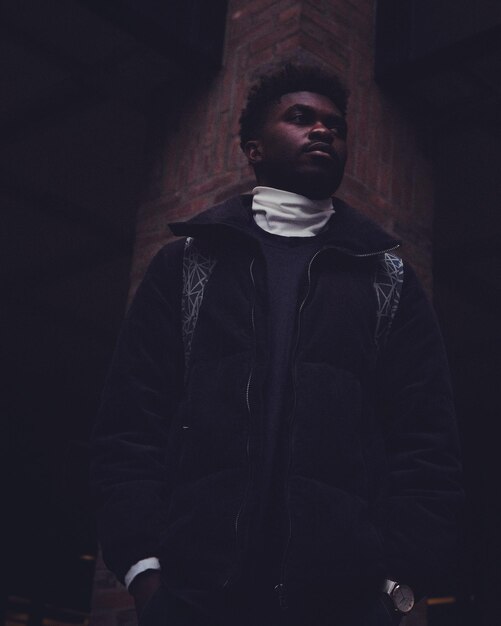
{"points": [[321, 147]]}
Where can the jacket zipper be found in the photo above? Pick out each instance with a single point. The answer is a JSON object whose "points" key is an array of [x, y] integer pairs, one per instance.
{"points": [[249, 411], [281, 587]]}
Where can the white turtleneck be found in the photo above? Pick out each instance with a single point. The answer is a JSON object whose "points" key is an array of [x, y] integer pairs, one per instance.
{"points": [[288, 214]]}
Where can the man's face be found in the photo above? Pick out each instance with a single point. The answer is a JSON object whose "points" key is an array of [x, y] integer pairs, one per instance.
{"points": [[301, 147]]}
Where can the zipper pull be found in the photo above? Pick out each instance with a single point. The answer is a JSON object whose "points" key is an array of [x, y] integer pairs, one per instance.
{"points": [[282, 599]]}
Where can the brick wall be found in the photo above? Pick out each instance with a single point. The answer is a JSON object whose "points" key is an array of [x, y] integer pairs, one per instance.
{"points": [[388, 174]]}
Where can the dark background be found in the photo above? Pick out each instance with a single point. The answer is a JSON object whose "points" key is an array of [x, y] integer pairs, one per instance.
{"points": [[442, 61], [89, 90]]}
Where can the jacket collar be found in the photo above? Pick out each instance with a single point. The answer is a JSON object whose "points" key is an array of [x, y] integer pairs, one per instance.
{"points": [[347, 230]]}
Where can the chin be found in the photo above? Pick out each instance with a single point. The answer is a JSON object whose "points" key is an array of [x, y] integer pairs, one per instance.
{"points": [[311, 182], [318, 189], [317, 185]]}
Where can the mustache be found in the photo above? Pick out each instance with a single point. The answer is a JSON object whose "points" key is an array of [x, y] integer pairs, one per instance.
{"points": [[322, 146]]}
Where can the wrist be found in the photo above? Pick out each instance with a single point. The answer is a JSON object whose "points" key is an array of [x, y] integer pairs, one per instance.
{"points": [[144, 586]]}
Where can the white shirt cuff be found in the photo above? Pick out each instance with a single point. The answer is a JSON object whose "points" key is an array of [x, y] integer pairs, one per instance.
{"points": [[141, 566]]}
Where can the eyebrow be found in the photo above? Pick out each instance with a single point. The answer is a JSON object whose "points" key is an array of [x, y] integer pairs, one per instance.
{"points": [[305, 108]]}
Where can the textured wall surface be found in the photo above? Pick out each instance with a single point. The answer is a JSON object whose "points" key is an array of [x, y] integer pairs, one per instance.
{"points": [[388, 175]]}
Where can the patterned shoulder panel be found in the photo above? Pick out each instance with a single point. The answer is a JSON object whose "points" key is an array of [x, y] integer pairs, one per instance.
{"points": [[197, 269], [388, 282]]}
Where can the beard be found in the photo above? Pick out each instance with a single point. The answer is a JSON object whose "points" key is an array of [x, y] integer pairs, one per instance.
{"points": [[316, 179]]}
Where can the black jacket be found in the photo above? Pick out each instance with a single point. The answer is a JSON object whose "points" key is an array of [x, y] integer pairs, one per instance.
{"points": [[371, 475]]}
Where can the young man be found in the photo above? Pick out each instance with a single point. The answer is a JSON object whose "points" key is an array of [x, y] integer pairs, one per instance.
{"points": [[277, 443]]}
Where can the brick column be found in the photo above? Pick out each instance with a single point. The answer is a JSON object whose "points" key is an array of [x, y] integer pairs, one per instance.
{"points": [[388, 174]]}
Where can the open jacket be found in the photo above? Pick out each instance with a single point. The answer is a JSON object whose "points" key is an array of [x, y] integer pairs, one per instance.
{"points": [[371, 472]]}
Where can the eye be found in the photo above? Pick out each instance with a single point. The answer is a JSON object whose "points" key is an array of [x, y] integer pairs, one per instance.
{"points": [[299, 117], [339, 128]]}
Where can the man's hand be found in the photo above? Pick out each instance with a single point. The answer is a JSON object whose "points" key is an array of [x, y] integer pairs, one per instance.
{"points": [[143, 587]]}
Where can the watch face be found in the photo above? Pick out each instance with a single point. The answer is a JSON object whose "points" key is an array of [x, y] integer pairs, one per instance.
{"points": [[403, 598]]}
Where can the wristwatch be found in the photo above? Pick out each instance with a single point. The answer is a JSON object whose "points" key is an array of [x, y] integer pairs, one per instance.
{"points": [[401, 596]]}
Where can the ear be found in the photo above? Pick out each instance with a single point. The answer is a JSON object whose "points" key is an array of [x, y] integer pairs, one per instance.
{"points": [[253, 151]]}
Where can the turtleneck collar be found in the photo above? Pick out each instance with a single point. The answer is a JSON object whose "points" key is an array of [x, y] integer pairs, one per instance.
{"points": [[289, 214]]}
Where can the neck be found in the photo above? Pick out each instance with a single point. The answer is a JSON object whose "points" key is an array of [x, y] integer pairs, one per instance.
{"points": [[289, 214]]}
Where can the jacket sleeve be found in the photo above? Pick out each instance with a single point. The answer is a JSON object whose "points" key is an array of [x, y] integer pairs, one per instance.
{"points": [[128, 460], [420, 516]]}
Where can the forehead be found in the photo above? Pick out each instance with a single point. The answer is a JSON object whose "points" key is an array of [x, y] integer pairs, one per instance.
{"points": [[321, 104]]}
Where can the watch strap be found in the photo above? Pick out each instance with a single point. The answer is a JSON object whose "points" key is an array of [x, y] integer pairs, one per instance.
{"points": [[388, 586]]}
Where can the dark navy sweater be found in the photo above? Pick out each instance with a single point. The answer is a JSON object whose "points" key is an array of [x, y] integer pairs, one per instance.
{"points": [[285, 262]]}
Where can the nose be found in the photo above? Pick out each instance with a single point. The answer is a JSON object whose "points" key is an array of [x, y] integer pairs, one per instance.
{"points": [[320, 132]]}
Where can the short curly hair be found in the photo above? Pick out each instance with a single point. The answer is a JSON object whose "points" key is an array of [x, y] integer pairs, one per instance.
{"points": [[289, 78]]}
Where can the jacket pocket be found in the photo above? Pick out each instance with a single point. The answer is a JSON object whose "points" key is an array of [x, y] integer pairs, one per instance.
{"points": [[198, 546], [215, 422], [334, 548]]}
